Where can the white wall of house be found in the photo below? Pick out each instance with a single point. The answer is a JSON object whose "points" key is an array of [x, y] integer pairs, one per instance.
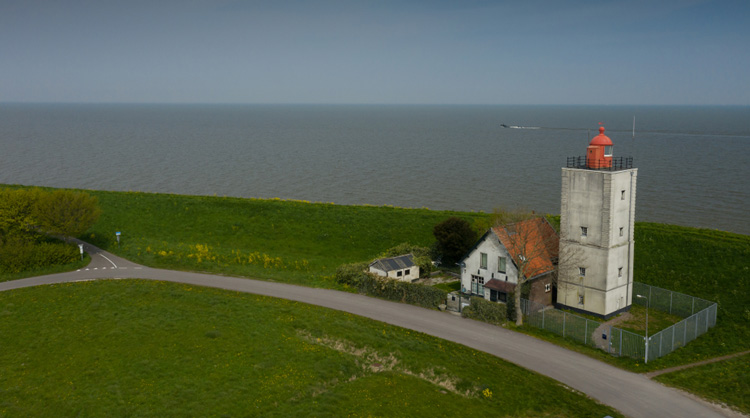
{"points": [[407, 274], [473, 268]]}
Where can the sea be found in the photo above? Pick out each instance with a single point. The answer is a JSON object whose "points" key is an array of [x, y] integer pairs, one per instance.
{"points": [[693, 161]]}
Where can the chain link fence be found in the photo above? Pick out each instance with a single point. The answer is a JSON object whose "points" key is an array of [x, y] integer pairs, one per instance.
{"points": [[699, 314]]}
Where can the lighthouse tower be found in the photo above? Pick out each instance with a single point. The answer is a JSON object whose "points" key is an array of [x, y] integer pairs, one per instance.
{"points": [[597, 214]]}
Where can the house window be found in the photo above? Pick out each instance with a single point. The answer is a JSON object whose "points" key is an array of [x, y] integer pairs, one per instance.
{"points": [[622, 195], [619, 272], [608, 150], [582, 271], [580, 299], [483, 260], [547, 287], [622, 231], [584, 231], [406, 272], [399, 273], [501, 264]]}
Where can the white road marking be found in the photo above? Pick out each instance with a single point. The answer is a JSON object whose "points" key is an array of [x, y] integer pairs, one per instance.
{"points": [[105, 257]]}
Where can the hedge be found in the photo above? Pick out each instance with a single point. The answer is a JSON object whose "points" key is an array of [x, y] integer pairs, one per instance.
{"points": [[486, 311], [17, 256], [355, 275]]}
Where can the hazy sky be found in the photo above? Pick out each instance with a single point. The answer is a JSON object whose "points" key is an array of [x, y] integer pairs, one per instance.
{"points": [[379, 51]]}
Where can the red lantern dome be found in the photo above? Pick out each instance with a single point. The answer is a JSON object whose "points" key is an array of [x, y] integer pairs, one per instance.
{"points": [[599, 152]]}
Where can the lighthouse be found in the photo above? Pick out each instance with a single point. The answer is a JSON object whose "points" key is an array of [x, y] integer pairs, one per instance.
{"points": [[597, 215]]}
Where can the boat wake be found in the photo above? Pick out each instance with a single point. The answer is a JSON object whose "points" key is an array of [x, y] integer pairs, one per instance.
{"points": [[519, 127]]}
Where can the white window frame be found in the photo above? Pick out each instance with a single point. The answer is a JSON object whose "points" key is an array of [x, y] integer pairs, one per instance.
{"points": [[582, 271], [504, 264], [483, 261], [547, 287], [584, 231]]}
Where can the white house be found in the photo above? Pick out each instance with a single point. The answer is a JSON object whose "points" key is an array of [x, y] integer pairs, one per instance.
{"points": [[400, 268], [489, 269]]}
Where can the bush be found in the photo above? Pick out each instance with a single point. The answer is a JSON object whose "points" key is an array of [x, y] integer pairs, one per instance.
{"points": [[486, 311], [17, 256], [355, 275]]}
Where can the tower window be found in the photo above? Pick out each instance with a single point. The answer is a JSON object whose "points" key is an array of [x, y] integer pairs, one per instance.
{"points": [[580, 299], [622, 231], [619, 272], [582, 271], [584, 231], [622, 195]]}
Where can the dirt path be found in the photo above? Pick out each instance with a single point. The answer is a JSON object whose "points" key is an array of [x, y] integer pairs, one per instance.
{"points": [[700, 363], [601, 329]]}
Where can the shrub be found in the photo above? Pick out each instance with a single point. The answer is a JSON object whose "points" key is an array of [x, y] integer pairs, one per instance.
{"points": [[17, 255], [486, 311]]}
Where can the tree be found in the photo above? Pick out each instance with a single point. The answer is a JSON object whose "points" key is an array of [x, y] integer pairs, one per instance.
{"points": [[533, 245], [17, 214], [66, 212], [454, 237]]}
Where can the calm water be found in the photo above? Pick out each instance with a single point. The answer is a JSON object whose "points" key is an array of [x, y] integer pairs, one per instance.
{"points": [[693, 162]]}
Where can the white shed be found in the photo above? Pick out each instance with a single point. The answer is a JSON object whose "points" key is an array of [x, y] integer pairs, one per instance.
{"points": [[400, 268]]}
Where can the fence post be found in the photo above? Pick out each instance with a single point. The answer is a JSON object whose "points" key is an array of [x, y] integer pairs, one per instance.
{"points": [[670, 302], [620, 341], [706, 321], [696, 326], [672, 349], [692, 309], [661, 337], [564, 324], [543, 318], [684, 336], [586, 330]]}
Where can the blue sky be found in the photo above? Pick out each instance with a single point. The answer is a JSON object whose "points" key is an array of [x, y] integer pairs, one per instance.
{"points": [[380, 51]]}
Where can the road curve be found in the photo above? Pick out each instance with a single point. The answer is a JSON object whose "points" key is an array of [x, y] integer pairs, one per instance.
{"points": [[632, 394]]}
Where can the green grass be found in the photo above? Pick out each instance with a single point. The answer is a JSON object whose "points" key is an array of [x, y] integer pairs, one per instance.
{"points": [[449, 286], [303, 243], [291, 241], [726, 382], [142, 348], [709, 264]]}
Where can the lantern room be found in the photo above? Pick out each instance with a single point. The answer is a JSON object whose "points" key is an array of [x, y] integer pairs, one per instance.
{"points": [[599, 152]]}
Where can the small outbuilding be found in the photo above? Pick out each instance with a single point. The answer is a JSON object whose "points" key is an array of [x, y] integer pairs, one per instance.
{"points": [[399, 268]]}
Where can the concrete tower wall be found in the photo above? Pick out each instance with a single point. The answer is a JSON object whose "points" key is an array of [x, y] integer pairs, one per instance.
{"points": [[596, 240]]}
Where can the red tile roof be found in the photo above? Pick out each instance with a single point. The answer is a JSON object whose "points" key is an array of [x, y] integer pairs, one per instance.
{"points": [[533, 239]]}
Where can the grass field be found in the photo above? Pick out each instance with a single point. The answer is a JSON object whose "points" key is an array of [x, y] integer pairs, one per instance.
{"points": [[725, 382], [142, 348], [290, 241], [303, 243]]}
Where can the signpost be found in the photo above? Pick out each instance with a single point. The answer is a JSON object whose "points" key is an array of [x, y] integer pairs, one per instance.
{"points": [[117, 234], [80, 247]]}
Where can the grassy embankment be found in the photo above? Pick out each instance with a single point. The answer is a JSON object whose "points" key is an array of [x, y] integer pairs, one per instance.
{"points": [[299, 242], [289, 241], [142, 348]]}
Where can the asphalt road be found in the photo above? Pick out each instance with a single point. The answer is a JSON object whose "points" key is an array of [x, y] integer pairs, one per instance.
{"points": [[632, 394]]}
